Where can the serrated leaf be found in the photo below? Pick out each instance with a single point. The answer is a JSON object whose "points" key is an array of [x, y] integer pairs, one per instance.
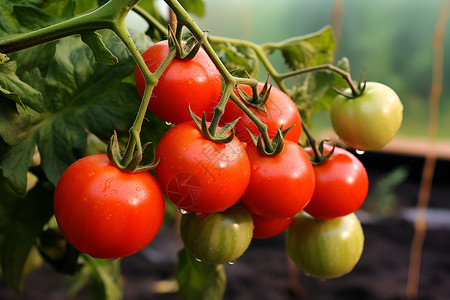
{"points": [[199, 281], [308, 50], [79, 95], [239, 60], [22, 221]]}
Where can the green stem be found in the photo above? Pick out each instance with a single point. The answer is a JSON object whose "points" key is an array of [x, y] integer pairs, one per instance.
{"points": [[330, 67], [101, 18]]}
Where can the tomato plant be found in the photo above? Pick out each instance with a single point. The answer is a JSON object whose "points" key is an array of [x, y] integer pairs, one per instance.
{"points": [[81, 89], [370, 120], [280, 186], [325, 248], [200, 175], [220, 237], [195, 83], [105, 212], [280, 113], [341, 185]]}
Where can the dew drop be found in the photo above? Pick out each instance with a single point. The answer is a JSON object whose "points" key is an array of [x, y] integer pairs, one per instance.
{"points": [[168, 123], [232, 262], [198, 259], [360, 152], [182, 211]]}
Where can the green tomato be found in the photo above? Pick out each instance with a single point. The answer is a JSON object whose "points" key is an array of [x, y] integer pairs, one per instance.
{"points": [[325, 248], [219, 237], [369, 121]]}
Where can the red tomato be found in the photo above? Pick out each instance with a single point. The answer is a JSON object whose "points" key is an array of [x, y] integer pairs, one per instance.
{"points": [[280, 186], [281, 113], [341, 185], [269, 227], [195, 82], [105, 212], [200, 175]]}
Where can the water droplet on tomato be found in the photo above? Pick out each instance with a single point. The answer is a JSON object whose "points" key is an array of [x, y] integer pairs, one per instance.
{"points": [[232, 262], [168, 123], [182, 211], [198, 259], [360, 152]]}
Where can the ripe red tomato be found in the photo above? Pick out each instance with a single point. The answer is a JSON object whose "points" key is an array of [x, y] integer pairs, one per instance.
{"points": [[269, 227], [219, 237], [281, 113], [280, 186], [105, 212], [195, 82], [341, 185], [325, 248], [200, 175], [370, 120]]}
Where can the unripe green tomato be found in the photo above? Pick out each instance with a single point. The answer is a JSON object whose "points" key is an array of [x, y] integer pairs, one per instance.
{"points": [[369, 121], [325, 248], [218, 238]]}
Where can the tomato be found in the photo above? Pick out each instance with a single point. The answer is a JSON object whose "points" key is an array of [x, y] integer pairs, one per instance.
{"points": [[369, 121], [325, 248], [105, 212], [195, 82], [341, 185], [269, 227], [200, 175], [281, 113], [280, 186], [219, 237]]}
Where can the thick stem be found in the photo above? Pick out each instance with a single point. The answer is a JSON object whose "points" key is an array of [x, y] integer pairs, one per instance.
{"points": [[101, 18]]}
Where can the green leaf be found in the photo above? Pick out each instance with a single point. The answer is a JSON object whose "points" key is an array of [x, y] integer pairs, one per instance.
{"points": [[199, 281], [13, 88], [101, 53], [79, 96], [21, 222], [308, 50], [238, 59], [106, 278]]}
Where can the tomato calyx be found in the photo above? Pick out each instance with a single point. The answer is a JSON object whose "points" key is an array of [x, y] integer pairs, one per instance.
{"points": [[130, 161], [276, 145], [356, 90], [257, 100], [319, 154], [223, 135], [184, 50]]}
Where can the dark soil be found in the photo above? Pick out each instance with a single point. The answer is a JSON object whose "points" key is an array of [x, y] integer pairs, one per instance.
{"points": [[264, 271]]}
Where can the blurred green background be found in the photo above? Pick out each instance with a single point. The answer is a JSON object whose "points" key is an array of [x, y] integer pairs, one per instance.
{"points": [[392, 40]]}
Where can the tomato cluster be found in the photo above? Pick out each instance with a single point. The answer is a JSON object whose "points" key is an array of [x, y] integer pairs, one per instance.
{"points": [[228, 193]]}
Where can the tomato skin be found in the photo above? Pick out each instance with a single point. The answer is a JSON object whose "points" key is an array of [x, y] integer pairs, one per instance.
{"points": [[195, 82], [199, 175], [341, 185], [281, 113], [105, 212], [325, 248], [269, 227], [369, 121], [217, 238], [280, 186]]}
